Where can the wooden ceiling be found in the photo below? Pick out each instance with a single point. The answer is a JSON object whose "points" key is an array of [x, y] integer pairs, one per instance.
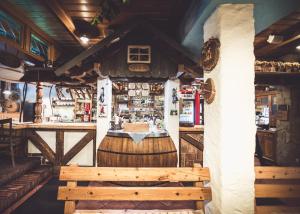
{"points": [[289, 28], [55, 17], [36, 11]]}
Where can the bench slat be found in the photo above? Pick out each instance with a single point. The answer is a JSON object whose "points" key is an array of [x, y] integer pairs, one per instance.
{"points": [[134, 193], [276, 209], [70, 173], [277, 191], [266, 172]]}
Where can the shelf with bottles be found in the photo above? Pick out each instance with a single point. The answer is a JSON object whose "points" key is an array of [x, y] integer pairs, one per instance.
{"points": [[62, 102]]}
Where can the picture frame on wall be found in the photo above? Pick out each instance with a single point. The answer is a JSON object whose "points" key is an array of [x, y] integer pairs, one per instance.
{"points": [[102, 110]]}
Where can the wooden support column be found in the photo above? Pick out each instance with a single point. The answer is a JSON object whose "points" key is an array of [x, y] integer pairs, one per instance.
{"points": [[39, 103]]}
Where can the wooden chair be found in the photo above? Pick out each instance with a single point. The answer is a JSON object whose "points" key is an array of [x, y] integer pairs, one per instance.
{"points": [[277, 183], [6, 137], [73, 174]]}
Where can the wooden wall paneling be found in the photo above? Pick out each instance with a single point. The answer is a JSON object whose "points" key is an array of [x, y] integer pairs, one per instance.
{"points": [[38, 142], [78, 147]]}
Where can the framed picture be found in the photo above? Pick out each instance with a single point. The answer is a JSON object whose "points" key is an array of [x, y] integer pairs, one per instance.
{"points": [[102, 110]]}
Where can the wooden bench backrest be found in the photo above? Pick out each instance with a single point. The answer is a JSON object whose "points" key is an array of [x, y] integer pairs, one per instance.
{"points": [[186, 174], [281, 189], [72, 192]]}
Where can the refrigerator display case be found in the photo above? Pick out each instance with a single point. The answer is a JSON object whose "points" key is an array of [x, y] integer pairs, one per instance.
{"points": [[187, 110]]}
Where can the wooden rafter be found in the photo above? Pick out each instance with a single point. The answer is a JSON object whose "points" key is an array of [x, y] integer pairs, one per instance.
{"points": [[271, 49], [63, 17]]}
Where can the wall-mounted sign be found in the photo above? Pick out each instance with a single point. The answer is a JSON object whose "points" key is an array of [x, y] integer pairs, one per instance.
{"points": [[138, 67], [210, 54]]}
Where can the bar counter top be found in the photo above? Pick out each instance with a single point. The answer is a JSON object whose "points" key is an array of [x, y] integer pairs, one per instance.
{"points": [[54, 125], [271, 130], [121, 133], [196, 128]]}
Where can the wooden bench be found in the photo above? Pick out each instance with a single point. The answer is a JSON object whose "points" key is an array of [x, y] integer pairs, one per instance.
{"points": [[277, 183], [73, 174]]}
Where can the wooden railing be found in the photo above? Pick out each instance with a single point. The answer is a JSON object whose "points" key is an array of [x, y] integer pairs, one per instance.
{"points": [[73, 174], [277, 183]]}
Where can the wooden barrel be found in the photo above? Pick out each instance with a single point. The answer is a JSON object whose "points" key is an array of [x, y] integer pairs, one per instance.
{"points": [[150, 152]]}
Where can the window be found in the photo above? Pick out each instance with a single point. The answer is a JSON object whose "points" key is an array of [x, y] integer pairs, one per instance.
{"points": [[38, 47], [9, 28], [139, 54]]}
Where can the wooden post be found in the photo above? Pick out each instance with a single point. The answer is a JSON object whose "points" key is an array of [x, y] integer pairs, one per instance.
{"points": [[70, 205], [59, 150], [199, 204], [39, 101]]}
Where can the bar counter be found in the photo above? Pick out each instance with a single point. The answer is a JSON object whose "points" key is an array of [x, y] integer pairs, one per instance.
{"points": [[59, 143], [196, 128], [55, 125]]}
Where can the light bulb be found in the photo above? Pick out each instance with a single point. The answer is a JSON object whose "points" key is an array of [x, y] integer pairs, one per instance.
{"points": [[84, 39]]}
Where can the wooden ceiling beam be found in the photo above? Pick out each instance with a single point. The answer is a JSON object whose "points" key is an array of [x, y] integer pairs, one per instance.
{"points": [[65, 19], [272, 48]]}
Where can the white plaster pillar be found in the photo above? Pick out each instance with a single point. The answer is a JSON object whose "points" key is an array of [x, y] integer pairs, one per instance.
{"points": [[171, 121], [103, 122], [229, 135]]}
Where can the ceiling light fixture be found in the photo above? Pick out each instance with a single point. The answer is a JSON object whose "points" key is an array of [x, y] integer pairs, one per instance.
{"points": [[298, 47], [84, 39], [275, 39]]}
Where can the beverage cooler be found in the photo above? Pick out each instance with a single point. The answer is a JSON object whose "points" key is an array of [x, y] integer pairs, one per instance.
{"points": [[187, 110]]}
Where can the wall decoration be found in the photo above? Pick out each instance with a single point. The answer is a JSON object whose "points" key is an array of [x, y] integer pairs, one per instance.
{"points": [[282, 112], [276, 66], [138, 68], [210, 54], [101, 97], [102, 110], [208, 90]]}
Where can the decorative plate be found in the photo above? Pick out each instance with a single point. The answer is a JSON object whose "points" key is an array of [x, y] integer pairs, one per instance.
{"points": [[210, 54], [131, 85], [145, 86], [209, 91]]}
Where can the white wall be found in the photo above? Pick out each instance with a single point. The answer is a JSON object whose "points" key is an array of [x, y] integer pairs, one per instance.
{"points": [[103, 123], [229, 134], [171, 121]]}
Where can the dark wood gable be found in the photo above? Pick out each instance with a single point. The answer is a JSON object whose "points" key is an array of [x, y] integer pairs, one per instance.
{"points": [[111, 56], [114, 60]]}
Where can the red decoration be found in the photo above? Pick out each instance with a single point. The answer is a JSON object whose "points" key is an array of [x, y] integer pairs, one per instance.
{"points": [[197, 108]]}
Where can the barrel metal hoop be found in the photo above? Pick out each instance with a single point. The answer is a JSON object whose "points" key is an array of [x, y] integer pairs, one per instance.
{"points": [[125, 153]]}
